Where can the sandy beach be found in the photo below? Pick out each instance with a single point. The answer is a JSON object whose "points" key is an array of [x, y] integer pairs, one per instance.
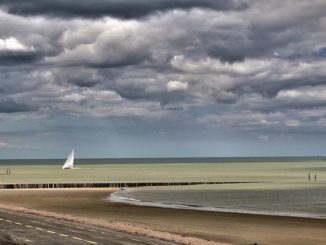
{"points": [[182, 226]]}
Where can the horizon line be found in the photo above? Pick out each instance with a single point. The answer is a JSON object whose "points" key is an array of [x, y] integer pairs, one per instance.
{"points": [[185, 157]]}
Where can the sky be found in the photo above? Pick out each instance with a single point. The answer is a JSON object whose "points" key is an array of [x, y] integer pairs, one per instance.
{"points": [[162, 78]]}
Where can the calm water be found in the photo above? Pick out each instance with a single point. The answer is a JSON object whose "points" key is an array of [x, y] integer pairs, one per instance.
{"points": [[289, 199], [161, 160], [284, 188], [171, 169]]}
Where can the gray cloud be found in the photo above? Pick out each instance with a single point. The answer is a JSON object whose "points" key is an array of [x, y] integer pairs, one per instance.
{"points": [[29, 40], [256, 67], [18, 57], [125, 9], [9, 105], [112, 47]]}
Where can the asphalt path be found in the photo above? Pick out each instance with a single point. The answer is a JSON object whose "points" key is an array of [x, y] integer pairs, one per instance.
{"points": [[21, 228]]}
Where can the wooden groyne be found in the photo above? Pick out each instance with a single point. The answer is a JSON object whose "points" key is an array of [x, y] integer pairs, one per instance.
{"points": [[112, 184]]}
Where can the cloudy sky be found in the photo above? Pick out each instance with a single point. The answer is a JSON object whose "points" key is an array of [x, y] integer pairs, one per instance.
{"points": [[165, 78]]}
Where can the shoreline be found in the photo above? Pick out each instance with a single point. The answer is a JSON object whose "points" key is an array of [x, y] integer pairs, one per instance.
{"points": [[114, 197], [89, 205]]}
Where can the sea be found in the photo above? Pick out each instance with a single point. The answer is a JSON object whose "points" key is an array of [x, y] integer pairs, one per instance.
{"points": [[301, 201], [280, 186]]}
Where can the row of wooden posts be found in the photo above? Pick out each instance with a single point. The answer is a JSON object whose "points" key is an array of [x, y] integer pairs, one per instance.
{"points": [[112, 184], [7, 172], [310, 178]]}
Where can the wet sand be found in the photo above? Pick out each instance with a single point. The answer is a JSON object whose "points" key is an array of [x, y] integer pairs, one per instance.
{"points": [[90, 204]]}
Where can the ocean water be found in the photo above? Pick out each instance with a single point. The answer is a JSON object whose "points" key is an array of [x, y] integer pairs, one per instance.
{"points": [[285, 199], [283, 186], [159, 169]]}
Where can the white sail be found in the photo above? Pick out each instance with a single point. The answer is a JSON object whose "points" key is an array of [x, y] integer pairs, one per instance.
{"points": [[69, 164]]}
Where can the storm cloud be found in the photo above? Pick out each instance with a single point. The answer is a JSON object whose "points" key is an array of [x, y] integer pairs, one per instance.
{"points": [[252, 66], [125, 9]]}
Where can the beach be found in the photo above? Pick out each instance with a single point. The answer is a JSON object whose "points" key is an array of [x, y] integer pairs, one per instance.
{"points": [[279, 189], [90, 205]]}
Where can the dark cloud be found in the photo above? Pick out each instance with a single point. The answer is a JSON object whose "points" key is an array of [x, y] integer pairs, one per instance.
{"points": [[80, 77], [162, 96], [125, 9], [9, 105], [321, 52], [265, 33], [28, 40], [271, 88], [8, 58], [252, 66]]}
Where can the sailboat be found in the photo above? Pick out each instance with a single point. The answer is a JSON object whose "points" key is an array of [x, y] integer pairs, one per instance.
{"points": [[69, 164]]}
